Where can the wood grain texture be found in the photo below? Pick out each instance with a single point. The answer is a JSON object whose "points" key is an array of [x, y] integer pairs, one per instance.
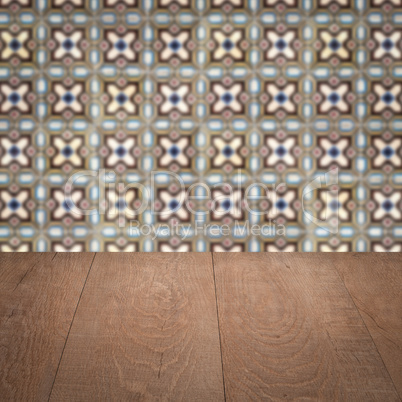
{"points": [[374, 280], [146, 329], [289, 329], [39, 293]]}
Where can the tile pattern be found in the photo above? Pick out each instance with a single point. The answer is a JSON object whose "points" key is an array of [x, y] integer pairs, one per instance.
{"points": [[235, 91]]}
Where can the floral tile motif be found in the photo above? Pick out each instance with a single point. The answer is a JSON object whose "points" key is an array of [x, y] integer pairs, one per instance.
{"points": [[111, 101]]}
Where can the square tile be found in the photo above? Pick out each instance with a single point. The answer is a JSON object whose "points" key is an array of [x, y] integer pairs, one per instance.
{"points": [[200, 125]]}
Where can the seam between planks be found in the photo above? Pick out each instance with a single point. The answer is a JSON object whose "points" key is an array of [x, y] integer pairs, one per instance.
{"points": [[364, 323], [219, 328], [28, 271], [71, 324]]}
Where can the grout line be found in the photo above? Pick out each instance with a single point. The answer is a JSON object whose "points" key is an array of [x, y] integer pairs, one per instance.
{"points": [[375, 345], [68, 333], [219, 328]]}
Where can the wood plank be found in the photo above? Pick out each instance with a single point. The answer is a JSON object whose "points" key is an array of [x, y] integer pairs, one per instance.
{"points": [[289, 329], [39, 293], [14, 266], [146, 328], [374, 280]]}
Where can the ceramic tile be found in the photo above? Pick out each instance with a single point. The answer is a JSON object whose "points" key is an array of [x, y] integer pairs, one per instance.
{"points": [[182, 106]]}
